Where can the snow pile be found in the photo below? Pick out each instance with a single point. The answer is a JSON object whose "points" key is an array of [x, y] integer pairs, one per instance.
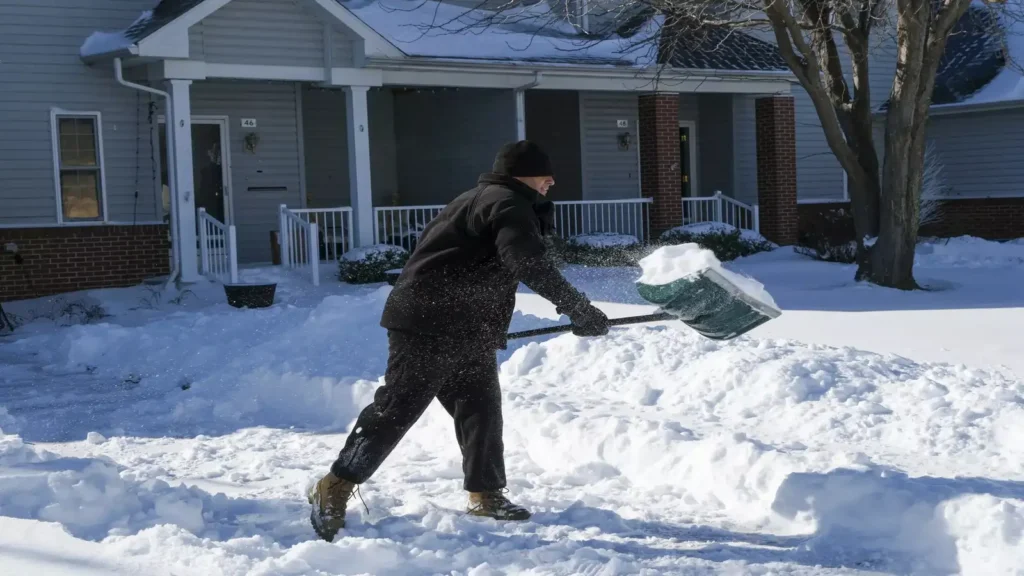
{"points": [[968, 252], [106, 42], [90, 497], [523, 33], [365, 252], [604, 240], [704, 228], [670, 263]]}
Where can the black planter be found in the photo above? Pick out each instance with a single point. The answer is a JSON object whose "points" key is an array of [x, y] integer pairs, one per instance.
{"points": [[250, 295]]}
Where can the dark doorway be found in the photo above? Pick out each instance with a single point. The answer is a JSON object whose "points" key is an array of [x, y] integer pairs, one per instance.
{"points": [[685, 170], [207, 168]]}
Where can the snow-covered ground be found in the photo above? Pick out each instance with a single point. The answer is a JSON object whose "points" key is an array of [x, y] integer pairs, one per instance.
{"points": [[865, 431]]}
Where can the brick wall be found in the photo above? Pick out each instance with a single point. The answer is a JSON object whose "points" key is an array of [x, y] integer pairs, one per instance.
{"points": [[991, 218], [65, 259], [776, 168], [659, 159]]}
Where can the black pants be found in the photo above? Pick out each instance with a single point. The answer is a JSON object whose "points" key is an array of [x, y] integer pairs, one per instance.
{"points": [[463, 377]]}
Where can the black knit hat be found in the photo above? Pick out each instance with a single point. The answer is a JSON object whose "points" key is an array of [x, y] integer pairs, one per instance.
{"points": [[524, 159]]}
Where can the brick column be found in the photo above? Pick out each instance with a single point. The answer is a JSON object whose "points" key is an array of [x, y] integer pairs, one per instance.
{"points": [[776, 169], [659, 160]]}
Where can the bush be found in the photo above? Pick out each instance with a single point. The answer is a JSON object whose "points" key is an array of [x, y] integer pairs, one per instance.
{"points": [[727, 242], [828, 235], [599, 250], [369, 265]]}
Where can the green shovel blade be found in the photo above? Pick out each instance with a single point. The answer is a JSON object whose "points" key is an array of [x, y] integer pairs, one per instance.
{"points": [[710, 304]]}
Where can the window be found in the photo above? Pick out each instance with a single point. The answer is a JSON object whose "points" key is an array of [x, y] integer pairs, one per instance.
{"points": [[78, 160]]}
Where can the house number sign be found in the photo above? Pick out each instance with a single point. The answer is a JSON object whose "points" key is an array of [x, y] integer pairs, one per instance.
{"points": [[248, 122]]}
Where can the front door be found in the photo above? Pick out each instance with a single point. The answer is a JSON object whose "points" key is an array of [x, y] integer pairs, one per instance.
{"points": [[207, 168], [684, 162]]}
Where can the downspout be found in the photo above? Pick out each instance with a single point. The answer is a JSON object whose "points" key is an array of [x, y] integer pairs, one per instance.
{"points": [[175, 245], [520, 96]]}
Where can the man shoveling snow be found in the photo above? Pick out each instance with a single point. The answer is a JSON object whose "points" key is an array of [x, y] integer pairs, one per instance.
{"points": [[446, 317]]}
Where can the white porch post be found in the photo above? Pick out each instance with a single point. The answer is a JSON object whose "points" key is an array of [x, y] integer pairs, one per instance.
{"points": [[520, 114], [180, 119], [361, 193]]}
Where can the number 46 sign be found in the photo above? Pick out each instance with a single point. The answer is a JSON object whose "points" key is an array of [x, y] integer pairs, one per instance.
{"points": [[248, 122]]}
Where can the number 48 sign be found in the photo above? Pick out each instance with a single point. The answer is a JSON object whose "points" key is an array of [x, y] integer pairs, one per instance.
{"points": [[248, 122]]}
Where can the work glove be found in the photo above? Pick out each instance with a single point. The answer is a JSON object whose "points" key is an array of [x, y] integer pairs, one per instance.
{"points": [[589, 321]]}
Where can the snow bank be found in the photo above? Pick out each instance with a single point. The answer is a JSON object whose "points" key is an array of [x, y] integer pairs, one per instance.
{"points": [[670, 263], [924, 525], [969, 252], [704, 228], [105, 42], [361, 254], [91, 498], [605, 240]]}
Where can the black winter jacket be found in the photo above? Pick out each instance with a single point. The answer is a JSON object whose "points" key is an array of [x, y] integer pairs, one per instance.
{"points": [[461, 279]]}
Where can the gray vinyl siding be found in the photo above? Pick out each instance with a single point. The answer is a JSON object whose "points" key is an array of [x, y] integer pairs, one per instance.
{"points": [[744, 144], [39, 69], [275, 163], [267, 32], [609, 173], [714, 145], [445, 139], [326, 146], [819, 176], [553, 122], [975, 162]]}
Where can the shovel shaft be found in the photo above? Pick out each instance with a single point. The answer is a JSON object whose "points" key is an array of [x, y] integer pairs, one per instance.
{"points": [[659, 317]]}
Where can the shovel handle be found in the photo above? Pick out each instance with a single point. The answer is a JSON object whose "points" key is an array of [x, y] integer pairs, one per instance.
{"points": [[660, 316]]}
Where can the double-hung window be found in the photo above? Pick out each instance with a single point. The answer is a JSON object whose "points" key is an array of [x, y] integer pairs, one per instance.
{"points": [[78, 166]]}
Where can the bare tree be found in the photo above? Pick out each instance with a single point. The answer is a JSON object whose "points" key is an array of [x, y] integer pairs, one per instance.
{"points": [[817, 39]]}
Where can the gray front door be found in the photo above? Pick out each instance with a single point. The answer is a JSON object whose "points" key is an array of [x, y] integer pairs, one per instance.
{"points": [[207, 168]]}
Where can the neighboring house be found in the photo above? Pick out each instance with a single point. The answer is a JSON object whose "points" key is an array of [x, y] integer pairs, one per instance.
{"points": [[322, 104]]}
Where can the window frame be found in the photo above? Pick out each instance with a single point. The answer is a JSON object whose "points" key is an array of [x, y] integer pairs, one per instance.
{"points": [[56, 114]]}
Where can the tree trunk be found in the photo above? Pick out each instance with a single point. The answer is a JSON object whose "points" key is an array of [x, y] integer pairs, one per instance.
{"points": [[892, 258]]}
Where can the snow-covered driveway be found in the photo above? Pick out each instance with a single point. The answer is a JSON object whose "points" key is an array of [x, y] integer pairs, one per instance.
{"points": [[649, 451]]}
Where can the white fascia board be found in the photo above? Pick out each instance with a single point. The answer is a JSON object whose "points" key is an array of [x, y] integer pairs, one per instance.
{"points": [[570, 79]]}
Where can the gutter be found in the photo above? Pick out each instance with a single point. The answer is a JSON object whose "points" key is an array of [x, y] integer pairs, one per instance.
{"points": [[447, 65], [537, 75], [175, 244]]}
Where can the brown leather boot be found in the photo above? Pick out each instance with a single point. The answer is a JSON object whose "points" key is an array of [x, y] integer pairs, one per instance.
{"points": [[493, 504], [329, 498]]}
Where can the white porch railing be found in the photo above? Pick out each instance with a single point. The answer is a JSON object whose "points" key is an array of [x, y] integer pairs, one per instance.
{"points": [[721, 208], [630, 216], [300, 244], [402, 225], [334, 229], [218, 249]]}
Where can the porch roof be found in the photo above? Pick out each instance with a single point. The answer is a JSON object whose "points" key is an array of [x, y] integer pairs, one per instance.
{"points": [[440, 31]]}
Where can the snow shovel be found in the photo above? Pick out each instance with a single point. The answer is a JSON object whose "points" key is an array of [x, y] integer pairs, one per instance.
{"points": [[707, 302]]}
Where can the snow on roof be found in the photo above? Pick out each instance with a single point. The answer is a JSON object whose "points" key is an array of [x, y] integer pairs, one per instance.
{"points": [[106, 42], [533, 33]]}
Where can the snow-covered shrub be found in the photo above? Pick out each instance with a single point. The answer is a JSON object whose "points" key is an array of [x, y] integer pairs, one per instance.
{"points": [[828, 235], [600, 249], [368, 265], [726, 241]]}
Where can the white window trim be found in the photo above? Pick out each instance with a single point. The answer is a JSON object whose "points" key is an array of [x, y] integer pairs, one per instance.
{"points": [[55, 146]]}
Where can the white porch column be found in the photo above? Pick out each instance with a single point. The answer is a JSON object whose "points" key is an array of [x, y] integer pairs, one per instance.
{"points": [[520, 114], [180, 118], [358, 122]]}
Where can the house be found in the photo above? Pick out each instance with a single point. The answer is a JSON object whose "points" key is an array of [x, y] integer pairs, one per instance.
{"points": [[302, 125]]}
